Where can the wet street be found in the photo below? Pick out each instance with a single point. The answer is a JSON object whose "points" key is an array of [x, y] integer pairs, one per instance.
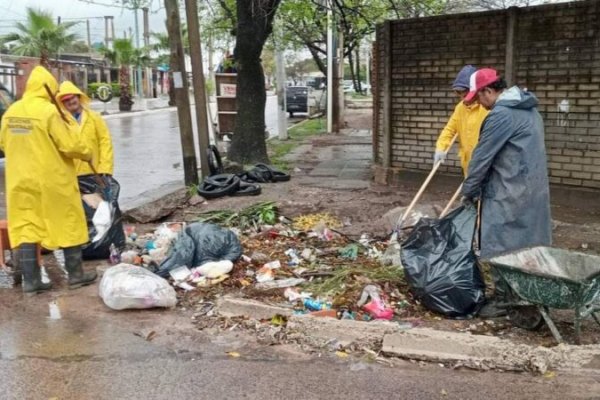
{"points": [[147, 151], [67, 345]]}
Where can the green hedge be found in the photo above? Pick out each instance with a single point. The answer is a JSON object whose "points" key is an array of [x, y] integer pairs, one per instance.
{"points": [[92, 87]]}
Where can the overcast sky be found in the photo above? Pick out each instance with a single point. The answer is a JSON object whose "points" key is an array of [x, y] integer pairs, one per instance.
{"points": [[12, 11]]}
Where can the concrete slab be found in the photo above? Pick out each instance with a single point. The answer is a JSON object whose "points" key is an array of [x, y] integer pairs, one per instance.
{"points": [[156, 204], [320, 331], [237, 307]]}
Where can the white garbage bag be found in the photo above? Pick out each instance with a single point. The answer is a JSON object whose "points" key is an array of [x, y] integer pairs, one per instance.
{"points": [[102, 220], [128, 286]]}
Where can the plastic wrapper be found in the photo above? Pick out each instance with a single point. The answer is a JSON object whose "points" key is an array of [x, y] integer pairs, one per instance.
{"points": [[200, 243], [127, 286], [104, 229], [440, 264]]}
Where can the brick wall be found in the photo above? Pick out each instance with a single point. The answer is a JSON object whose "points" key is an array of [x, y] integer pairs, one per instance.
{"points": [[555, 54]]}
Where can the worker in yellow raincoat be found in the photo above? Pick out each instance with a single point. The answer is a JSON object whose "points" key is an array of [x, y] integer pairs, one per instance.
{"points": [[43, 201], [465, 121], [92, 128]]}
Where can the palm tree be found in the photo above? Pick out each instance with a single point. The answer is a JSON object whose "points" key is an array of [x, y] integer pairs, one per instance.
{"points": [[40, 36], [124, 54], [162, 41]]}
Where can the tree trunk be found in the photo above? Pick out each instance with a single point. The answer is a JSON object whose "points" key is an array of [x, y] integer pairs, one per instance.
{"points": [[358, 78], [125, 101], [315, 55], [255, 24], [352, 72], [45, 59]]}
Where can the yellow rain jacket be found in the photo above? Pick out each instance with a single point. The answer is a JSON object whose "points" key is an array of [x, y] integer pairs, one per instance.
{"points": [[466, 120], [94, 131], [43, 200]]}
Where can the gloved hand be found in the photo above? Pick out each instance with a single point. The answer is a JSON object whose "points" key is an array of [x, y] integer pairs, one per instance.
{"points": [[439, 156]]}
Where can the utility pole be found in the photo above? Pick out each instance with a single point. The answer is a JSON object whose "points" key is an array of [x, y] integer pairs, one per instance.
{"points": [[106, 37], [148, 85], [281, 96], [89, 34], [136, 6], [330, 68], [180, 87], [146, 27], [112, 29], [191, 10], [338, 94]]}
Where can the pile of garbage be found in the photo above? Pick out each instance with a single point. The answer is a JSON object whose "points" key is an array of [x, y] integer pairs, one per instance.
{"points": [[303, 263], [309, 266]]}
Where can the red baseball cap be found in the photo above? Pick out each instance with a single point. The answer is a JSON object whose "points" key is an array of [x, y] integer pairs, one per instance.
{"points": [[480, 79]]}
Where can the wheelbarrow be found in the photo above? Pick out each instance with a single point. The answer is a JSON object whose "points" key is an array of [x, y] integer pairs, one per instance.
{"points": [[541, 278]]}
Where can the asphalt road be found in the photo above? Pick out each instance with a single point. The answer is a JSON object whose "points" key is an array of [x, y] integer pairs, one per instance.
{"points": [[92, 352]]}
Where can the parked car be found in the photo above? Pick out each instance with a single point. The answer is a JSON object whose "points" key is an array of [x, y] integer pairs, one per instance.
{"points": [[6, 99], [348, 86], [296, 99]]}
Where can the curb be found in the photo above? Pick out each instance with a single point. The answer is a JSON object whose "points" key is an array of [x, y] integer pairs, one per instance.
{"points": [[237, 307], [138, 113], [392, 339]]}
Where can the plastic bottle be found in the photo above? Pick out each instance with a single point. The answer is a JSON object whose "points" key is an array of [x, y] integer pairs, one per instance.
{"points": [[316, 305]]}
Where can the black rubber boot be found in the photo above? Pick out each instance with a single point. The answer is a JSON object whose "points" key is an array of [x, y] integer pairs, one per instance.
{"points": [[29, 265], [74, 266], [16, 267]]}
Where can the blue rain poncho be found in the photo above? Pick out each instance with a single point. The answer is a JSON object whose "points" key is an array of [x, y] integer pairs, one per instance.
{"points": [[508, 172]]}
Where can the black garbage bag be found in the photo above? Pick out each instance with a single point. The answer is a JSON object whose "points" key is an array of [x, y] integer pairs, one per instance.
{"points": [[200, 243], [440, 264], [100, 249]]}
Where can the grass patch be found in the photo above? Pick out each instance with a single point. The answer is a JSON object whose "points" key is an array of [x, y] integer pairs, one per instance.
{"points": [[344, 279], [296, 135]]}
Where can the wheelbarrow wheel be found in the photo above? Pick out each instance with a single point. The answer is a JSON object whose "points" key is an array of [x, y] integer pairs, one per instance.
{"points": [[526, 317]]}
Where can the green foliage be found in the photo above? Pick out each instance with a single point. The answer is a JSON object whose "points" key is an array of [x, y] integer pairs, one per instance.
{"points": [[250, 217], [296, 135], [210, 87], [77, 47], [93, 87], [40, 36], [124, 53]]}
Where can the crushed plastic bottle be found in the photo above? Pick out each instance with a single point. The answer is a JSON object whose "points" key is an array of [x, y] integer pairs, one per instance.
{"points": [[316, 305]]}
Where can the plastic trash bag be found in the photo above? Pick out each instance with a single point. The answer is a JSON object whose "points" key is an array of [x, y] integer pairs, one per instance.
{"points": [[200, 243], [102, 220], [440, 264], [127, 286], [100, 242]]}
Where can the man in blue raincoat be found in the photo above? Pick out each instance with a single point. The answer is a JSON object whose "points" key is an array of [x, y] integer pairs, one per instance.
{"points": [[508, 174]]}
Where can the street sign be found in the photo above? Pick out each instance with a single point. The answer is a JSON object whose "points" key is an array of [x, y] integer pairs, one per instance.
{"points": [[104, 93]]}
